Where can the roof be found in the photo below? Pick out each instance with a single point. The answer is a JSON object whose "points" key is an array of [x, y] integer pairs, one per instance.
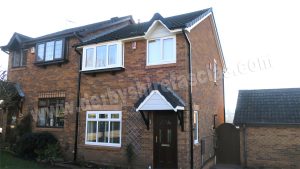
{"points": [[17, 37], [81, 30], [139, 29], [166, 92], [268, 106]]}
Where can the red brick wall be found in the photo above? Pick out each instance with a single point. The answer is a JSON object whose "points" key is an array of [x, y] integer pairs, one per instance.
{"points": [[34, 79], [135, 77], [208, 97], [272, 147]]}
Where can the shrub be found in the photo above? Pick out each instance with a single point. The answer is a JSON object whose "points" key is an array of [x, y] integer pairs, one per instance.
{"points": [[30, 144]]}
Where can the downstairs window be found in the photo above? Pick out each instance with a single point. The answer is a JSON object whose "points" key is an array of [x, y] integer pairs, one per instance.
{"points": [[103, 128], [51, 112]]}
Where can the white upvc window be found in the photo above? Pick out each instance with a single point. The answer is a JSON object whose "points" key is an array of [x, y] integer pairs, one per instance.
{"points": [[196, 127], [215, 70], [102, 56], [103, 128], [161, 50]]}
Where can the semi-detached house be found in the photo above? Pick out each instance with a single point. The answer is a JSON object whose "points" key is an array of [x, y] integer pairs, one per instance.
{"points": [[156, 85]]}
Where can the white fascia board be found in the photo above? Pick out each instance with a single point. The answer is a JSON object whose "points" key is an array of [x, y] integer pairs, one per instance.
{"points": [[153, 24], [157, 92], [197, 23]]}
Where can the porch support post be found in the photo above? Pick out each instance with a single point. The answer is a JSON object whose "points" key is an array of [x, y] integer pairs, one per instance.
{"points": [[180, 117], [146, 119]]}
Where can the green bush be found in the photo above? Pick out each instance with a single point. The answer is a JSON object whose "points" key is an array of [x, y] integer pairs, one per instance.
{"points": [[30, 144]]}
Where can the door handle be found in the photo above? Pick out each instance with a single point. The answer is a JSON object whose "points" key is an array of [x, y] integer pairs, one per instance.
{"points": [[165, 145], [155, 139]]}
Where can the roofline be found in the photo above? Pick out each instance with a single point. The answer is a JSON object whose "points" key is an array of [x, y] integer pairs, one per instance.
{"points": [[48, 36], [266, 124]]}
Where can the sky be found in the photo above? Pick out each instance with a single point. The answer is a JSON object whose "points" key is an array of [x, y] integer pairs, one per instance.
{"points": [[260, 39]]}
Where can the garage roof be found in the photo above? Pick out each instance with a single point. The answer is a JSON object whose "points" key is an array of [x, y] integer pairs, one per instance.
{"points": [[268, 106]]}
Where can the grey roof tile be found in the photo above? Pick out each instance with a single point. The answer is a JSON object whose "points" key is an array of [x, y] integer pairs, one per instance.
{"points": [[268, 106], [139, 29]]}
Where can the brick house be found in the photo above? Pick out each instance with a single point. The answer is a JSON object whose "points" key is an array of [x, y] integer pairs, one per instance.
{"points": [[269, 121], [156, 85]]}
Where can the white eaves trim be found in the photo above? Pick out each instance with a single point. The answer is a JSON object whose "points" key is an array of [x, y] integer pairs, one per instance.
{"points": [[197, 23], [163, 105]]}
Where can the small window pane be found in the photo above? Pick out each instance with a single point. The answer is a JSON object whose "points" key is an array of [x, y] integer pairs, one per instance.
{"points": [[103, 116], [42, 103], [42, 117], [49, 51], [89, 57], [103, 131], [114, 116], [168, 46], [92, 116], [91, 131], [101, 56], [112, 54], [58, 49], [154, 52], [115, 132], [40, 55], [16, 58]]}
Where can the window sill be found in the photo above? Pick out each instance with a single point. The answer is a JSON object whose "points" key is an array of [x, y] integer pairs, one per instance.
{"points": [[48, 128], [103, 70], [160, 66], [18, 68], [98, 147], [46, 63]]}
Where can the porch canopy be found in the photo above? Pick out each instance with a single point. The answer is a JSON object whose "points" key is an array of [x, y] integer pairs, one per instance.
{"points": [[159, 97]]}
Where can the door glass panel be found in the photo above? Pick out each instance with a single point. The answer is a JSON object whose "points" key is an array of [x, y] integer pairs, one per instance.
{"points": [[91, 131], [103, 132], [169, 134]]}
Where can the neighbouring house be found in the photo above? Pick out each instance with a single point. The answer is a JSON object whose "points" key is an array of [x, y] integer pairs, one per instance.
{"points": [[269, 121], [155, 89]]}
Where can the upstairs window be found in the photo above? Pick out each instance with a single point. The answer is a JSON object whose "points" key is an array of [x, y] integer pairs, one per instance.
{"points": [[215, 71], [18, 58], [102, 56], [50, 51], [161, 51]]}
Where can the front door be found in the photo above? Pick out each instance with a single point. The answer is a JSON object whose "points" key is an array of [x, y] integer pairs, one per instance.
{"points": [[165, 140]]}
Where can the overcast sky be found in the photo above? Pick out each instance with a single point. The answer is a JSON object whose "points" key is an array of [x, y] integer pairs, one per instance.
{"points": [[260, 39]]}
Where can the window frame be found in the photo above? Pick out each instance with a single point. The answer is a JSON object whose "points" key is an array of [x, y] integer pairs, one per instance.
{"points": [[23, 58], [196, 123], [215, 71], [48, 106], [44, 53], [119, 57], [161, 62], [109, 120]]}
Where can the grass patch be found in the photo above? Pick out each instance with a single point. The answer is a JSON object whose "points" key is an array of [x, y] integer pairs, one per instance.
{"points": [[8, 161]]}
